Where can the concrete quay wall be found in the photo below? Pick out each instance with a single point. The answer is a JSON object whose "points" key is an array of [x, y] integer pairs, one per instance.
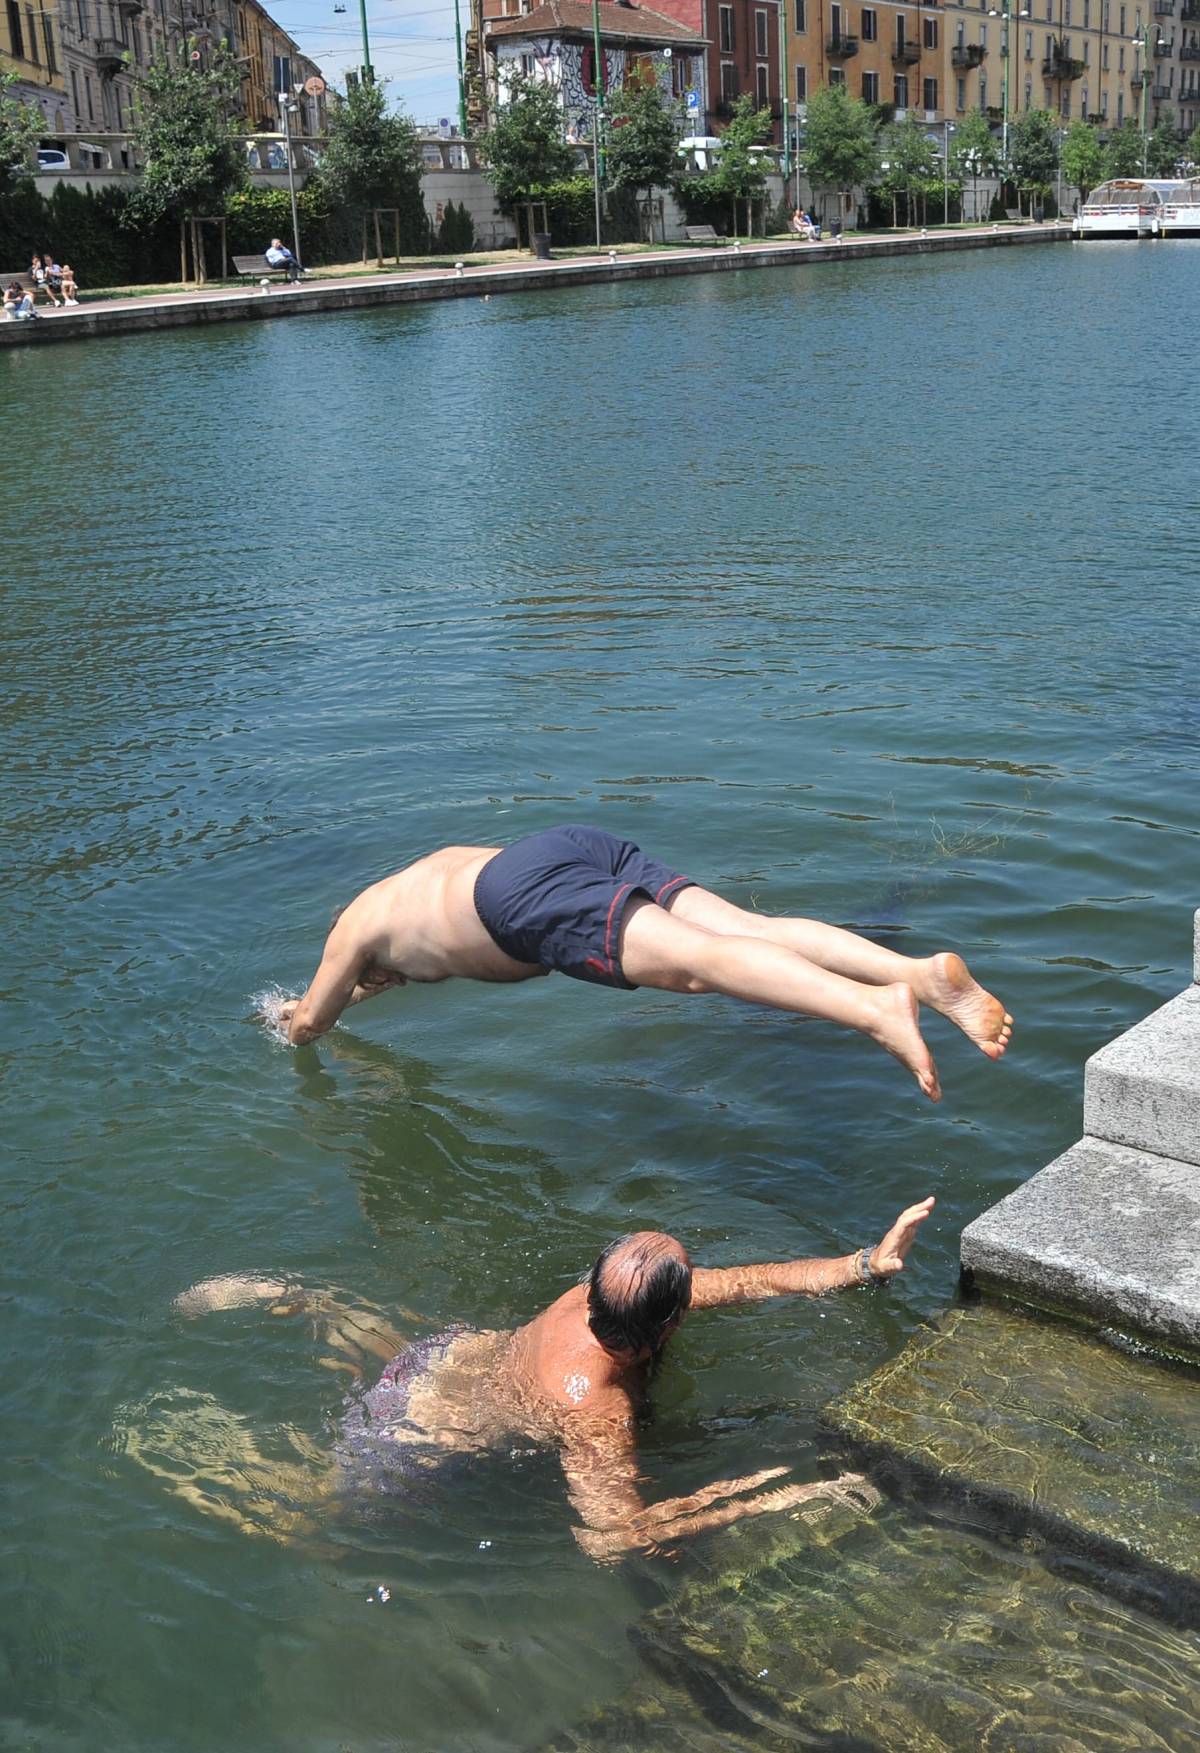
{"points": [[177, 310]]}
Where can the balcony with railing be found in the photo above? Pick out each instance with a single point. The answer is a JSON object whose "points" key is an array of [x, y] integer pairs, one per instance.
{"points": [[1164, 49], [1190, 52], [1164, 8], [110, 55], [1190, 11], [1136, 81], [1062, 67], [906, 54], [965, 56], [1161, 93], [841, 47]]}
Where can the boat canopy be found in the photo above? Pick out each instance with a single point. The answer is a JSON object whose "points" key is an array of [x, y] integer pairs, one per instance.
{"points": [[1127, 192]]}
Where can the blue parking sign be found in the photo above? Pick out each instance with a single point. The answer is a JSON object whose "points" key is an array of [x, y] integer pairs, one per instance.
{"points": [[692, 103]]}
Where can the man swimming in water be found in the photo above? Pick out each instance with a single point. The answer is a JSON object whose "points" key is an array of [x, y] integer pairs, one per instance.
{"points": [[573, 1378], [582, 902]]}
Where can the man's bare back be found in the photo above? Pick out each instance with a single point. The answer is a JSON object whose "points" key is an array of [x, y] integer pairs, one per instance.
{"points": [[573, 1378], [583, 902]]}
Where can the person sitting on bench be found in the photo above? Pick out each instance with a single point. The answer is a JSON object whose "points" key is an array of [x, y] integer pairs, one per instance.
{"points": [[280, 256]]}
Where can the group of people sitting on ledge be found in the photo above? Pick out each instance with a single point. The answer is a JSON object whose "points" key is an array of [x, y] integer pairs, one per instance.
{"points": [[55, 281]]}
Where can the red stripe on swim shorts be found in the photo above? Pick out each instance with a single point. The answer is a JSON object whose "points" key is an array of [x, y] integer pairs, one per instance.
{"points": [[608, 925], [671, 883]]}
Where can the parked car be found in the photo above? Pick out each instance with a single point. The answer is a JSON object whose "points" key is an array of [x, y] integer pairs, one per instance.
{"points": [[52, 158]]}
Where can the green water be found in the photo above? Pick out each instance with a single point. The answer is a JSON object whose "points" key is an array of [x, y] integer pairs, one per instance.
{"points": [[867, 593]]}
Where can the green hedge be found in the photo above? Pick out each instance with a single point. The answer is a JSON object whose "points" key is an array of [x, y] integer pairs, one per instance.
{"points": [[85, 227]]}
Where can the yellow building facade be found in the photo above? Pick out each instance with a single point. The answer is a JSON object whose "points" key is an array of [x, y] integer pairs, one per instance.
{"points": [[30, 48], [1078, 58]]}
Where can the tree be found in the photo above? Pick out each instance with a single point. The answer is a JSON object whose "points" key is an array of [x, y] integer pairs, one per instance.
{"points": [[1082, 158], [910, 164], [1033, 154], [372, 159], [21, 127], [1191, 151], [644, 138], [1165, 147], [974, 153], [740, 174], [524, 149], [1123, 154], [841, 141], [185, 135]]}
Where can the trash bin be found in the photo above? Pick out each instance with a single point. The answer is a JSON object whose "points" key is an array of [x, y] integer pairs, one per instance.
{"points": [[541, 245]]}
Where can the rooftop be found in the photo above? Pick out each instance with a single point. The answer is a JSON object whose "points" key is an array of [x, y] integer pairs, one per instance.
{"points": [[619, 22]]}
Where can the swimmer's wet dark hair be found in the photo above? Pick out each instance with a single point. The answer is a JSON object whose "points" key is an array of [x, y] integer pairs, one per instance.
{"points": [[634, 1302]]}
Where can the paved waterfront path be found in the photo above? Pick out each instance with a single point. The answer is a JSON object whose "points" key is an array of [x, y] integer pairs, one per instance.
{"points": [[115, 316]]}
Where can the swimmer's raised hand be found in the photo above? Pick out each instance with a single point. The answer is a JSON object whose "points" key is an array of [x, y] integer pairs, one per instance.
{"points": [[888, 1256]]}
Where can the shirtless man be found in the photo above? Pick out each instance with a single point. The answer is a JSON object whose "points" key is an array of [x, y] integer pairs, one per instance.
{"points": [[574, 1378], [582, 902]]}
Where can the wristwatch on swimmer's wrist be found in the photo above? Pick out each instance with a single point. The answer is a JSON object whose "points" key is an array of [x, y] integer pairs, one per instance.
{"points": [[866, 1272]]}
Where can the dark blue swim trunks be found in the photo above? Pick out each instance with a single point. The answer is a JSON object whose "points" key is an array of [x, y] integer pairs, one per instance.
{"points": [[371, 1456], [558, 898]]}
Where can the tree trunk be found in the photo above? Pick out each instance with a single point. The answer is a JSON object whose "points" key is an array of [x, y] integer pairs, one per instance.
{"points": [[378, 242]]}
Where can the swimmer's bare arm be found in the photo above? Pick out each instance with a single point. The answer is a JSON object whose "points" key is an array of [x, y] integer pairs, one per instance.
{"points": [[599, 1458], [711, 1287], [347, 975]]}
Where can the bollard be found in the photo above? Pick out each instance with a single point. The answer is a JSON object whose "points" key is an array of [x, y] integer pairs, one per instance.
{"points": [[737, 246], [458, 269], [612, 258], [265, 284]]}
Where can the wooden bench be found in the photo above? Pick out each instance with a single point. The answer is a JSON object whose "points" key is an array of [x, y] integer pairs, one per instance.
{"points": [[258, 267], [701, 234]]}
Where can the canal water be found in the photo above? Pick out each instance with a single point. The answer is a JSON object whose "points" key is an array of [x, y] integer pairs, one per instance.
{"points": [[866, 593]]}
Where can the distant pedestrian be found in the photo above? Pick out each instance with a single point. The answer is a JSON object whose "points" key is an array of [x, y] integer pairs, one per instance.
{"points": [[69, 288], [280, 256], [41, 281], [18, 303]]}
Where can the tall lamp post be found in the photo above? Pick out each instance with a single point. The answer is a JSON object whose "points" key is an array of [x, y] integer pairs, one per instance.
{"points": [[597, 114], [288, 103], [368, 70], [784, 92], [462, 84], [1006, 14], [1142, 41]]}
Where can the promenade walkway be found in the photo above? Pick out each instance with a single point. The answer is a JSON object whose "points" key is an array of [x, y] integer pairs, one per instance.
{"points": [[116, 316]]}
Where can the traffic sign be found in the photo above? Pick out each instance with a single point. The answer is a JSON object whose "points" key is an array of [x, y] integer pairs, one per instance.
{"points": [[692, 103]]}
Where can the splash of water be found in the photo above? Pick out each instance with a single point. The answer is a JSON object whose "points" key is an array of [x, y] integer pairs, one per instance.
{"points": [[267, 1007]]}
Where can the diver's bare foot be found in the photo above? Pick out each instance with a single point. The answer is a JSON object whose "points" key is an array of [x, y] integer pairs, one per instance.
{"points": [[899, 1030], [947, 985]]}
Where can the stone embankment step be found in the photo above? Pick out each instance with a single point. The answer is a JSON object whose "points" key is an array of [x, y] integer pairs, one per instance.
{"points": [[1111, 1229]]}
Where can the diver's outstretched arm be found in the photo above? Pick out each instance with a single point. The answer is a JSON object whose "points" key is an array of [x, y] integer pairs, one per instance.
{"points": [[356, 1330]]}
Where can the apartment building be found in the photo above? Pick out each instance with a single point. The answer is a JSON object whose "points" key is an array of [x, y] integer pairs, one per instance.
{"points": [[105, 44], [892, 55], [29, 47]]}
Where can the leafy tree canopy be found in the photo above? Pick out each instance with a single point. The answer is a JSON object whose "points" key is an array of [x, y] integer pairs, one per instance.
{"points": [[524, 148], [184, 133], [644, 137], [909, 154], [974, 152], [740, 172], [371, 158], [1165, 148], [1083, 158], [841, 141], [21, 127], [1123, 153], [1033, 152], [1191, 151]]}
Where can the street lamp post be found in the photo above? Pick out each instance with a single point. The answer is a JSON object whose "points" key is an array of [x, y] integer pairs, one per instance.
{"points": [[368, 70], [287, 103], [1142, 42], [462, 86], [784, 92], [1005, 13]]}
